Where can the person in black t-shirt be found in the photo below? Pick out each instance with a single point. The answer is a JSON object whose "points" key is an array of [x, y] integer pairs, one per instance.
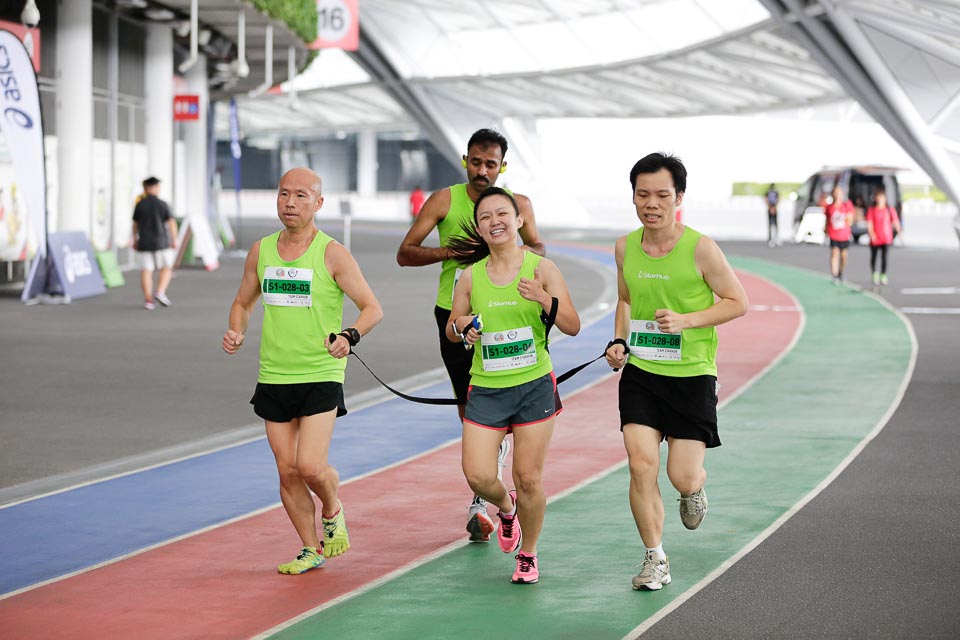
{"points": [[154, 239]]}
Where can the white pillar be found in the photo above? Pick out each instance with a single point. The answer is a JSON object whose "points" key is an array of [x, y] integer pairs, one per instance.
{"points": [[367, 163], [158, 80], [74, 115], [195, 143]]}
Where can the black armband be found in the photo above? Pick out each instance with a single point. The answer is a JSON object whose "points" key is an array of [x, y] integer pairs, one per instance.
{"points": [[352, 336], [618, 341], [550, 317]]}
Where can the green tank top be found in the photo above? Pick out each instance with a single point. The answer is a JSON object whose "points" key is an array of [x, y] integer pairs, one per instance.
{"points": [[302, 304], [669, 282], [512, 349], [460, 212]]}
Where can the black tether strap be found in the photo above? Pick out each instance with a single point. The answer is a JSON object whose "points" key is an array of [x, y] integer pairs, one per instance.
{"points": [[548, 320], [448, 401], [563, 377], [403, 395], [566, 375]]}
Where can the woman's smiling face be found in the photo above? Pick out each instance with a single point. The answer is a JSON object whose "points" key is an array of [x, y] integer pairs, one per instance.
{"points": [[497, 220]]}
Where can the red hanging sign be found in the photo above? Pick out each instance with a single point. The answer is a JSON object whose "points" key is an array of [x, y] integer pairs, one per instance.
{"points": [[186, 107]]}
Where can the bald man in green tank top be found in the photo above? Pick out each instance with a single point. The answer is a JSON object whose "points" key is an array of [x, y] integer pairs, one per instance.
{"points": [[302, 275], [675, 287], [449, 211]]}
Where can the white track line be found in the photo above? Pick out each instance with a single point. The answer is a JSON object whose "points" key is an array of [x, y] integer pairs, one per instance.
{"points": [[932, 311]]}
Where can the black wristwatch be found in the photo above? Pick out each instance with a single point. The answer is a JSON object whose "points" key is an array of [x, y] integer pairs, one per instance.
{"points": [[352, 336]]}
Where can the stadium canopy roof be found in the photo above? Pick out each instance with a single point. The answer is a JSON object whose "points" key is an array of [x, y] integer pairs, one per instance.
{"points": [[445, 67], [537, 59]]}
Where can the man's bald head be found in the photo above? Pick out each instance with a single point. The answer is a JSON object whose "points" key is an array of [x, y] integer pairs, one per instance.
{"points": [[305, 177]]}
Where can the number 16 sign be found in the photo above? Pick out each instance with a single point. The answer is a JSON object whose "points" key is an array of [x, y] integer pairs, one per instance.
{"points": [[338, 25]]}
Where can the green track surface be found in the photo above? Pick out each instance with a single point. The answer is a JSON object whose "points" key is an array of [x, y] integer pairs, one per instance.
{"points": [[782, 437]]}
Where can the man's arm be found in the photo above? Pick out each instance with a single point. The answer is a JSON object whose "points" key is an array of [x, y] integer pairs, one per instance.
{"points": [[346, 272], [720, 277], [243, 302], [528, 232], [172, 227], [412, 253], [617, 354]]}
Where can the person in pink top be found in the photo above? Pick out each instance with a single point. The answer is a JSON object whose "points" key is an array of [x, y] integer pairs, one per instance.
{"points": [[882, 221], [839, 214]]}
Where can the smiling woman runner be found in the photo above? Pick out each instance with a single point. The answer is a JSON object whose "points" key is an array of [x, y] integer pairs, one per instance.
{"points": [[500, 302]]}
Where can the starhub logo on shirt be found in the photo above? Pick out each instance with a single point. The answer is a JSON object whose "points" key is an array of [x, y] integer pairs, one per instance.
{"points": [[502, 303], [652, 276]]}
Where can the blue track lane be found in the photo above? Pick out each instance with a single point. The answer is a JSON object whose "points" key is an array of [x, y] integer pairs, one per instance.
{"points": [[69, 531]]}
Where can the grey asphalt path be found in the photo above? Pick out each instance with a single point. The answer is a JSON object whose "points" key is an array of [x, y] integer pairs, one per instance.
{"points": [[101, 386], [876, 554]]}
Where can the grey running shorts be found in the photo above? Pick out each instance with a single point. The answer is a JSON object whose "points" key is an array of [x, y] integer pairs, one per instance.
{"points": [[524, 404]]}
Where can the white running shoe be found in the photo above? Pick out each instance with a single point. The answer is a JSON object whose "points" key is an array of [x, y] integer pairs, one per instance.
{"points": [[693, 508], [479, 523], [654, 574]]}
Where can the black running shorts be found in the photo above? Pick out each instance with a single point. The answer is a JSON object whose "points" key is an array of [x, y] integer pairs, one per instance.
{"points": [[284, 402], [683, 408], [456, 358]]}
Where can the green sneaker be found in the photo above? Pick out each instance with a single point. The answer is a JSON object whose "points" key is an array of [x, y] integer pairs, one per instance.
{"points": [[308, 559], [336, 539], [883, 279]]}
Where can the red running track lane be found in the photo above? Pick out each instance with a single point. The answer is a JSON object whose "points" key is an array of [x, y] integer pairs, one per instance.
{"points": [[222, 583]]}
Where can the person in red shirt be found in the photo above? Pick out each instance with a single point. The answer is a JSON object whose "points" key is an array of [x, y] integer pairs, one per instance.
{"points": [[839, 214], [882, 221], [417, 198]]}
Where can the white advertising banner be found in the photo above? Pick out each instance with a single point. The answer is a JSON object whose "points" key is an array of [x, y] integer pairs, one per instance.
{"points": [[23, 129]]}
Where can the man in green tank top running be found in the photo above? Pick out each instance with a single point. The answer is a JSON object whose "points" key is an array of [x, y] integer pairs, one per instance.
{"points": [[448, 211], [675, 286], [302, 275]]}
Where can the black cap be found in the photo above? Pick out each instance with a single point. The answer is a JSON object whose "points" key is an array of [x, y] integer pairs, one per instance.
{"points": [[151, 181]]}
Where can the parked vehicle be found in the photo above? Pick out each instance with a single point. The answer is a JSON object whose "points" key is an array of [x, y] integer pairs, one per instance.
{"points": [[860, 183]]}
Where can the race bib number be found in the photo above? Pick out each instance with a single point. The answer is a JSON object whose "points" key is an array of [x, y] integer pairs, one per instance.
{"points": [[513, 349], [283, 287], [647, 342]]}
